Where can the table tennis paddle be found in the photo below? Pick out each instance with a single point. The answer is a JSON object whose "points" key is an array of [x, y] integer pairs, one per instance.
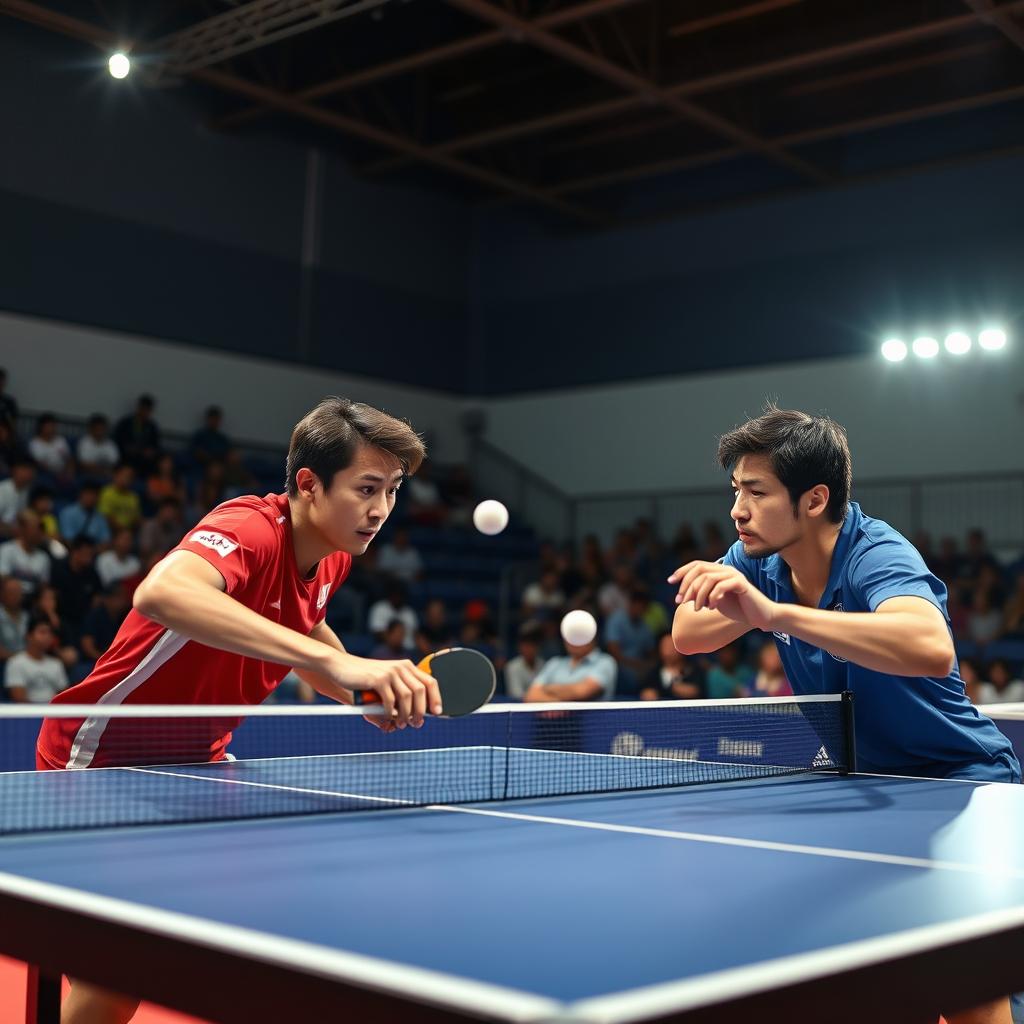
{"points": [[465, 678]]}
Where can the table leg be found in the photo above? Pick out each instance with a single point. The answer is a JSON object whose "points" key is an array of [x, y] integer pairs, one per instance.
{"points": [[42, 997]]}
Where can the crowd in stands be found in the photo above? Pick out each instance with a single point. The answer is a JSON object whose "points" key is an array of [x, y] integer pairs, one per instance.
{"points": [[83, 519]]}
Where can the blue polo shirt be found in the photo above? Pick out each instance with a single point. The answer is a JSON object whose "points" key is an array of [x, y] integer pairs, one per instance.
{"points": [[905, 725]]}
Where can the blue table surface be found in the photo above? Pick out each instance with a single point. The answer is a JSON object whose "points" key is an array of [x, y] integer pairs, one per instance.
{"points": [[611, 893]]}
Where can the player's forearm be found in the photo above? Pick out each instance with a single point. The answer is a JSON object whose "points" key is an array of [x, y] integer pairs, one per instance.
{"points": [[321, 683], [587, 689], [705, 631], [210, 616], [897, 643]]}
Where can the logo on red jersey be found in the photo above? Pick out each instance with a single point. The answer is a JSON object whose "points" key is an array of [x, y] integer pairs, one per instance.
{"points": [[321, 600], [214, 541]]}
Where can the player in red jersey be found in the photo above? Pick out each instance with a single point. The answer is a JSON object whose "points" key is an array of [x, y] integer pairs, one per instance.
{"points": [[240, 600]]}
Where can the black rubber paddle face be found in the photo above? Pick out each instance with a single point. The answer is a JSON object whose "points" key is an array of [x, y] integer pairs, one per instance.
{"points": [[465, 678]]}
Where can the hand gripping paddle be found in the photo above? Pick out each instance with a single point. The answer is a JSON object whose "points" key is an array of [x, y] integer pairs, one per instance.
{"points": [[464, 677]]}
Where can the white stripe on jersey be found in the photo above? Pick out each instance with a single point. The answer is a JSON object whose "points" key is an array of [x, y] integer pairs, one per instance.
{"points": [[89, 734]]}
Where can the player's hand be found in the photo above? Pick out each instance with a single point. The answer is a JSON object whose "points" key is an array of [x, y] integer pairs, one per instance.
{"points": [[726, 590], [406, 692]]}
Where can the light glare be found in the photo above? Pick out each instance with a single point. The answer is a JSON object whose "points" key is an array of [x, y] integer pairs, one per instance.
{"points": [[119, 65], [992, 339], [894, 350], [957, 343], [925, 347]]}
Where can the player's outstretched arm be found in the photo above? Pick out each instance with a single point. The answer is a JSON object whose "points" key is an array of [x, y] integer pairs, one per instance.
{"points": [[696, 627], [186, 593]]}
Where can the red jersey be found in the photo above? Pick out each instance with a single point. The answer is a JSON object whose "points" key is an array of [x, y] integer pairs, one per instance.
{"points": [[249, 541]]}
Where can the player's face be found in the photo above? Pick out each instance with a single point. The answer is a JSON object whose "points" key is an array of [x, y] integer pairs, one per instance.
{"points": [[359, 500], [762, 509]]}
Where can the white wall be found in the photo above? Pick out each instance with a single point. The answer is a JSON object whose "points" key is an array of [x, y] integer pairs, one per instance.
{"points": [[76, 370], [909, 419]]}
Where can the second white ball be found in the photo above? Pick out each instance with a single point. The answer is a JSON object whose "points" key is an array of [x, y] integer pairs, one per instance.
{"points": [[578, 628], [490, 517]]}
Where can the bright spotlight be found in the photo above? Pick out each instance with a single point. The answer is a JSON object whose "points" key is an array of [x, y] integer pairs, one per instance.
{"points": [[119, 65], [992, 339], [957, 343], [894, 350], [925, 347]]}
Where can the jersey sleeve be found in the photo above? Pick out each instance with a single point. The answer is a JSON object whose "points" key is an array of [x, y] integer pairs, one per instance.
{"points": [[238, 543], [893, 568]]}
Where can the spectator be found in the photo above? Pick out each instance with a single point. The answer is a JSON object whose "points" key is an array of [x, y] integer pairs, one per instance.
{"points": [[103, 621], [164, 482], [1013, 613], [971, 676], [946, 565], [119, 503], [984, 622], [675, 678], [161, 533], [76, 582], [13, 617], [34, 676], [714, 542], [543, 595], [771, 678], [8, 406], [958, 612], [614, 595], [238, 479], [400, 559], [977, 557], [684, 546], [729, 678], [656, 617], [97, 450], [40, 501], [583, 673], [523, 669], [458, 496], [425, 504], [25, 556], [210, 443], [210, 492], [138, 436], [83, 518], [51, 452], [434, 632], [120, 561], [394, 605], [472, 635], [394, 645], [14, 494], [629, 640], [1001, 687], [11, 448], [45, 608]]}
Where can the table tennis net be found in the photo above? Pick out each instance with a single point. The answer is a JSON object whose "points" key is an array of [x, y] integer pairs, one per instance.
{"points": [[147, 766]]}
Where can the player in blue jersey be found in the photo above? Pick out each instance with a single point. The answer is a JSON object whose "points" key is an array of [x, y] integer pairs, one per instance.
{"points": [[851, 604]]}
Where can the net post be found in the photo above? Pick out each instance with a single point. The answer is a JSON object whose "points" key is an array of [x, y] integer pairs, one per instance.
{"points": [[846, 709]]}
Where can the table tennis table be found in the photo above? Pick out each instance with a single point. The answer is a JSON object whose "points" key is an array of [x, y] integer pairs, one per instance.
{"points": [[814, 897]]}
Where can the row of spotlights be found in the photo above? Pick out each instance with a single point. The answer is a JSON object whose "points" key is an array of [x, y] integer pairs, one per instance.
{"points": [[957, 343]]}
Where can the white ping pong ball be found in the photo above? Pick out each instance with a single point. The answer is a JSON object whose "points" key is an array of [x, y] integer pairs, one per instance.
{"points": [[579, 628], [490, 517]]}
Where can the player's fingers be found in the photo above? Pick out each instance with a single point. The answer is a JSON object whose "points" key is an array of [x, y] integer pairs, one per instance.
{"points": [[387, 698], [433, 690], [706, 585], [720, 590], [694, 573], [382, 723], [419, 694], [403, 700]]}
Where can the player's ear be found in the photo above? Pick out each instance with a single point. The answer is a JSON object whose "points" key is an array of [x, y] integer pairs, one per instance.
{"points": [[817, 500], [307, 483]]}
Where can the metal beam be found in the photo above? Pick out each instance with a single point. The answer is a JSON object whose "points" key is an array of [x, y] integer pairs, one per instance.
{"points": [[643, 88], [708, 83], [988, 11], [436, 55], [864, 124], [78, 29]]}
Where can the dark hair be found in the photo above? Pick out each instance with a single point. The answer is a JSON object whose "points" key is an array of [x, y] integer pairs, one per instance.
{"points": [[145, 402], [97, 418], [804, 450], [45, 419], [40, 491], [327, 438], [214, 410], [36, 621], [83, 540]]}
